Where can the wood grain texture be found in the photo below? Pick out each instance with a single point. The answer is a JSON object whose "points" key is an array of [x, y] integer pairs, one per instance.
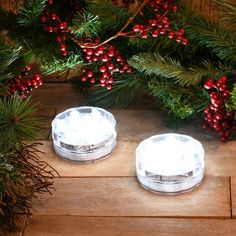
{"points": [[233, 196], [127, 226], [125, 197], [220, 159], [120, 163], [54, 96]]}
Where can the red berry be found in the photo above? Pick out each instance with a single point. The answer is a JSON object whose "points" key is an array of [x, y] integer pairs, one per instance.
{"points": [[184, 41], [95, 58], [162, 30], [171, 34], [110, 66], [111, 53], [89, 51], [50, 29], [209, 84], [90, 74], [136, 28], [92, 80], [64, 53], [54, 16], [103, 69], [109, 86], [144, 34], [223, 79], [28, 68], [83, 78], [102, 80], [110, 80], [43, 19], [181, 31], [105, 75], [178, 39], [62, 47], [58, 39], [155, 33], [105, 58], [37, 77], [174, 8]]}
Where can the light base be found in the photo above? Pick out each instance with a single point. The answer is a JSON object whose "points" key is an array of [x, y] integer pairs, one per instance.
{"points": [[91, 153], [170, 188]]}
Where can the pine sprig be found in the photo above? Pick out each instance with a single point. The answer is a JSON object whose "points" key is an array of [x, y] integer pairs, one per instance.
{"points": [[61, 65], [7, 56], [85, 25], [149, 63], [180, 101], [112, 17], [16, 121], [233, 96], [30, 12], [215, 36], [124, 91]]}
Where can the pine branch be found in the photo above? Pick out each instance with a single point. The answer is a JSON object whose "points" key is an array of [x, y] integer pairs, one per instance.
{"points": [[60, 65], [112, 17], [85, 25], [233, 96], [124, 91], [180, 101], [30, 12], [167, 67], [214, 36], [7, 56], [16, 123]]}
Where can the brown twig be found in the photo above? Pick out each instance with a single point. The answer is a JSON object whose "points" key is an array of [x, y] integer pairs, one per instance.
{"points": [[119, 33]]}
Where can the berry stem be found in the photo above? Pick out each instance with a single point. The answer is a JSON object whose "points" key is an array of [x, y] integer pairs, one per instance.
{"points": [[120, 32]]}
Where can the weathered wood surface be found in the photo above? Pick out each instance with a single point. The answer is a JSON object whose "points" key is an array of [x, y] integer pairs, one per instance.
{"points": [[220, 159], [123, 196], [127, 226], [105, 198]]}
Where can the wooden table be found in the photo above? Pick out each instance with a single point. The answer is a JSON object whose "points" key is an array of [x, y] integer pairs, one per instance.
{"points": [[105, 198]]}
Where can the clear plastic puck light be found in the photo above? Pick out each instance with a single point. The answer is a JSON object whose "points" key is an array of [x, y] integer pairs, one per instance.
{"points": [[84, 134], [170, 163]]}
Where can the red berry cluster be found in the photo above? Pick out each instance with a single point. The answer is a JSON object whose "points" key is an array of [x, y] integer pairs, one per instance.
{"points": [[54, 25], [160, 25], [108, 61], [216, 115], [22, 84]]}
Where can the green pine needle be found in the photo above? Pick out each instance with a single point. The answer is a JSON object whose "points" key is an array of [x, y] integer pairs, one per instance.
{"points": [[85, 25], [177, 100], [16, 121], [233, 96], [149, 64], [60, 65], [215, 36], [124, 91], [31, 11]]}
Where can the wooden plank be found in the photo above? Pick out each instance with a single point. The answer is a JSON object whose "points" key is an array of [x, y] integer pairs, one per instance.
{"points": [[120, 163], [117, 226], [54, 96], [125, 197], [46, 128], [220, 159], [233, 196], [20, 224]]}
